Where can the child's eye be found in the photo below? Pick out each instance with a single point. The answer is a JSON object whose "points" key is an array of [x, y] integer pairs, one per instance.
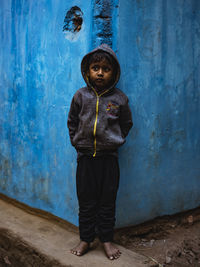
{"points": [[95, 68], [106, 69]]}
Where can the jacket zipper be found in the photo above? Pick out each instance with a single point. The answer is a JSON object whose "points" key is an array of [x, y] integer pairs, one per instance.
{"points": [[95, 126], [96, 119]]}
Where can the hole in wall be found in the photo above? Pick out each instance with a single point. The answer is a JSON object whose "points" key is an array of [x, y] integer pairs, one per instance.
{"points": [[73, 20]]}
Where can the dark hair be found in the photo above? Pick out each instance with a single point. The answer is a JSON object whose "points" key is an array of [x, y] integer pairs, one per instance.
{"points": [[101, 55]]}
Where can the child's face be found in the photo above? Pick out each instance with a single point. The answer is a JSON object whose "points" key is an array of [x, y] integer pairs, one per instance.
{"points": [[100, 74]]}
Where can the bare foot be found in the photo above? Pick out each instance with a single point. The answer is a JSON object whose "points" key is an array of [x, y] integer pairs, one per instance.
{"points": [[81, 249], [111, 251]]}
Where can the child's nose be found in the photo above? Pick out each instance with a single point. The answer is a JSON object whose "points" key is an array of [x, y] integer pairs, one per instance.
{"points": [[100, 72]]}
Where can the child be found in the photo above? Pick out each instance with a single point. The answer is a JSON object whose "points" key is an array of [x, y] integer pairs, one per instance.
{"points": [[99, 120]]}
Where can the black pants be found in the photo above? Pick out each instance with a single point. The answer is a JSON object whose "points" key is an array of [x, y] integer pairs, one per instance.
{"points": [[97, 181]]}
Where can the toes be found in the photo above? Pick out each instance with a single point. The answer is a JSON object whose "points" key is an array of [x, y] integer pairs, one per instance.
{"points": [[77, 253], [113, 257], [73, 252], [80, 249], [111, 251], [119, 253], [116, 256]]}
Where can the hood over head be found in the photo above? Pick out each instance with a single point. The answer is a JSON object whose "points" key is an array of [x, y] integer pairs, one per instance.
{"points": [[85, 62]]}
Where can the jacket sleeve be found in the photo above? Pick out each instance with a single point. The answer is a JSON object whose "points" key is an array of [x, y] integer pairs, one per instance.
{"points": [[126, 122], [73, 118]]}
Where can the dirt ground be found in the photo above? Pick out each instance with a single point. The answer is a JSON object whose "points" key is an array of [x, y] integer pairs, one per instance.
{"points": [[167, 241], [17, 253]]}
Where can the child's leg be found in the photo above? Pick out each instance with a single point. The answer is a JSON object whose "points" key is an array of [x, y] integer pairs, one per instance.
{"points": [[106, 215], [87, 198]]}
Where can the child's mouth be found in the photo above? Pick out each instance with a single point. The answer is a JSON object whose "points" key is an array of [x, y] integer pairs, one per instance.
{"points": [[99, 80]]}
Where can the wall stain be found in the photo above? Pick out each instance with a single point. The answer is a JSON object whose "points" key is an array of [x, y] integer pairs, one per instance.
{"points": [[5, 173], [40, 190], [149, 38]]}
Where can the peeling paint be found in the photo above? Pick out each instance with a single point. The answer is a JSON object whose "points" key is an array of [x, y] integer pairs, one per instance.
{"points": [[102, 23], [73, 20]]}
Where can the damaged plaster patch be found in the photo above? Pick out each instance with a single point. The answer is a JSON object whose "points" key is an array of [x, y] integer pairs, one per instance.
{"points": [[103, 17], [73, 23]]}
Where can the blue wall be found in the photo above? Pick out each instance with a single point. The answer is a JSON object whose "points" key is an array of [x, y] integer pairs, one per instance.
{"points": [[158, 46], [159, 50]]}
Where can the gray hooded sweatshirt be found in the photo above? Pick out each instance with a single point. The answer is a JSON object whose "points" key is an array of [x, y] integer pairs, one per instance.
{"points": [[98, 122]]}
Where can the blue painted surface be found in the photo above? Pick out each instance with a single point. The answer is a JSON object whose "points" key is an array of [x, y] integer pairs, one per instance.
{"points": [[158, 46]]}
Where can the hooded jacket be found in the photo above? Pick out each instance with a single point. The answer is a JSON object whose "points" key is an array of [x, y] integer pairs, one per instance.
{"points": [[98, 122]]}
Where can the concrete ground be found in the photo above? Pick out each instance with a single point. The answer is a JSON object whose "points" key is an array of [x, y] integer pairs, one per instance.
{"points": [[54, 241]]}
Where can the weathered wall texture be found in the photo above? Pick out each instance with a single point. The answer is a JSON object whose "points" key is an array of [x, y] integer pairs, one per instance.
{"points": [[158, 46], [159, 49]]}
